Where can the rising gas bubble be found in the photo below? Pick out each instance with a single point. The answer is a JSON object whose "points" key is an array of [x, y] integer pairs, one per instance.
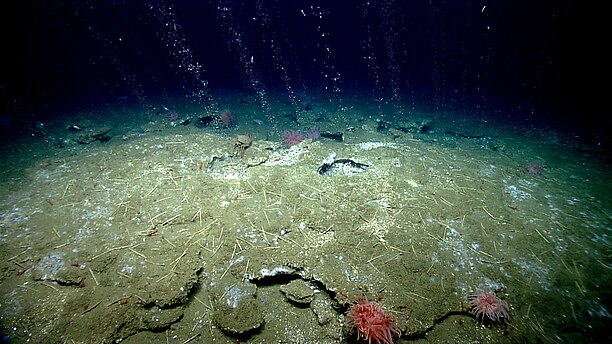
{"points": [[236, 43], [111, 44], [316, 17], [438, 43], [380, 51], [193, 82], [369, 49], [277, 40], [390, 31]]}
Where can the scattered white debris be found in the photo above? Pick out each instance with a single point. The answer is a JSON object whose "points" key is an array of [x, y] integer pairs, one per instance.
{"points": [[517, 193], [370, 145]]}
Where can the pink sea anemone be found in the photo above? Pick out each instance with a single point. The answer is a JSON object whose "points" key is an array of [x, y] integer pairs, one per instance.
{"points": [[372, 323], [536, 169], [487, 304], [292, 137], [226, 118], [172, 116]]}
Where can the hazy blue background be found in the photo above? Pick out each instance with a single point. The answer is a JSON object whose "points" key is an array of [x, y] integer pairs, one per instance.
{"points": [[527, 59]]}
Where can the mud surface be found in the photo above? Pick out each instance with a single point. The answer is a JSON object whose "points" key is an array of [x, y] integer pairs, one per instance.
{"points": [[169, 234]]}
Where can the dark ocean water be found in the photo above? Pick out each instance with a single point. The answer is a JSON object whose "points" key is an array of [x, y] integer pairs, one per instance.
{"points": [[490, 59]]}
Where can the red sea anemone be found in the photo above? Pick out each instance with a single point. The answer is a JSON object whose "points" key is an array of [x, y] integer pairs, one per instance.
{"points": [[487, 304], [292, 137], [371, 322]]}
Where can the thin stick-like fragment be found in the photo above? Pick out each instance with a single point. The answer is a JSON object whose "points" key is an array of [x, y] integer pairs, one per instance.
{"points": [[542, 236], [150, 192], [93, 276], [156, 216], [245, 270], [198, 214], [18, 254], [92, 307], [192, 338], [113, 249], [490, 215], [49, 285], [176, 261], [137, 253], [251, 185], [170, 219]]}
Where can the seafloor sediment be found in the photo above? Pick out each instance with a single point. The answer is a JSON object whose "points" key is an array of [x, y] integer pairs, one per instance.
{"points": [[168, 232]]}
